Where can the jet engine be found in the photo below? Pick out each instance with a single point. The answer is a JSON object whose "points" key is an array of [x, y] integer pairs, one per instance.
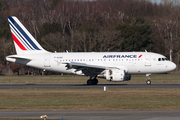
{"points": [[115, 75]]}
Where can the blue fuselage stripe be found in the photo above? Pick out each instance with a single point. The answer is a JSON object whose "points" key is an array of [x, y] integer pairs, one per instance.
{"points": [[24, 34]]}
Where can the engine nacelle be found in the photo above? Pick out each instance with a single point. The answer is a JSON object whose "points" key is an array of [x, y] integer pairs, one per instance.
{"points": [[115, 75]]}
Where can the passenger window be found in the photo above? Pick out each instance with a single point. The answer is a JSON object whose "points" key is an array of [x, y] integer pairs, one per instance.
{"points": [[163, 59], [159, 59]]}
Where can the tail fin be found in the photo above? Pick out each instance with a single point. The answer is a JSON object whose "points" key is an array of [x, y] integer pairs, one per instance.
{"points": [[24, 42]]}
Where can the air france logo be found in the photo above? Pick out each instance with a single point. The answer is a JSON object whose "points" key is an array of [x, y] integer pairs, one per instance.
{"points": [[121, 56], [140, 56]]}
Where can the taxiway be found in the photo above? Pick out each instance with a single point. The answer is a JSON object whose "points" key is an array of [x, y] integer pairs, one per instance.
{"points": [[94, 115], [71, 86]]}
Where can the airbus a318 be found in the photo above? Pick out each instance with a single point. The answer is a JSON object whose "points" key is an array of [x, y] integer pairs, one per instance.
{"points": [[113, 66]]}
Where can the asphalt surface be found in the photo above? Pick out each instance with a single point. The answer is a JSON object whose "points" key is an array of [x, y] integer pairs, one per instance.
{"points": [[94, 115], [70, 86]]}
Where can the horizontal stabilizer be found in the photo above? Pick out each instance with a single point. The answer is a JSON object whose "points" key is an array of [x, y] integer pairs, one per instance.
{"points": [[18, 57]]}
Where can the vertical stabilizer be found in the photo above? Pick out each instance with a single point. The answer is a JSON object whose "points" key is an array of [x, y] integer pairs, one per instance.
{"points": [[24, 42]]}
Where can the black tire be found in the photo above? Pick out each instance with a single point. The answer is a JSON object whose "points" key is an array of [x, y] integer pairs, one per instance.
{"points": [[95, 81], [90, 82]]}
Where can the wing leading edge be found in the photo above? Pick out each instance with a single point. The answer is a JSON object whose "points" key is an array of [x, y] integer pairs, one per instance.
{"points": [[84, 65]]}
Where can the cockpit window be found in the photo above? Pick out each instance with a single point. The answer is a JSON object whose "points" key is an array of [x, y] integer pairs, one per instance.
{"points": [[166, 59], [163, 59]]}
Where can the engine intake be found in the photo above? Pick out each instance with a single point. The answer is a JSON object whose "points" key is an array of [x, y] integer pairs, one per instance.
{"points": [[116, 75]]}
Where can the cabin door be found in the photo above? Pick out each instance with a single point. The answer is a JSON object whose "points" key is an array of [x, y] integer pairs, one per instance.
{"points": [[148, 60], [47, 61]]}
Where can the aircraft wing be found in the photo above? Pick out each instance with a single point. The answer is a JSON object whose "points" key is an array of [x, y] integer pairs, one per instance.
{"points": [[84, 65], [77, 65], [86, 69], [89, 69]]}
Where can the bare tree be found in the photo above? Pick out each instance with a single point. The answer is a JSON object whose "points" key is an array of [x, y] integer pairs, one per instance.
{"points": [[168, 31]]}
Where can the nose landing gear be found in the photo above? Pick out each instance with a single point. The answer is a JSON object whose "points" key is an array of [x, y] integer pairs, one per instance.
{"points": [[148, 82]]}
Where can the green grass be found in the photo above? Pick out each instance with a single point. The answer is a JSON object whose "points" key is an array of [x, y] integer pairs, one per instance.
{"points": [[155, 78], [28, 119], [89, 99]]}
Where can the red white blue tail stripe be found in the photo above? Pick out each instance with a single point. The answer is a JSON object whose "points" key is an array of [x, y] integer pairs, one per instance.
{"points": [[23, 39]]}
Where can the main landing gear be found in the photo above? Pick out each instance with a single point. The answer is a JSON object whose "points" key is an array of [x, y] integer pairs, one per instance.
{"points": [[148, 82], [93, 81]]}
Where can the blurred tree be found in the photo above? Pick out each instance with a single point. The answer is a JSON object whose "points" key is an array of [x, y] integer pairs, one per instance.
{"points": [[50, 28], [61, 25], [15, 67], [137, 35]]}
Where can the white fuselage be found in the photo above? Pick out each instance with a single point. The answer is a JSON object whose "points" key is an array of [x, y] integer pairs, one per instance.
{"points": [[131, 62]]}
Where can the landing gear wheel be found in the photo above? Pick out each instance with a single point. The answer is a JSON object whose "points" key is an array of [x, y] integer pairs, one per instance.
{"points": [[148, 82], [95, 81], [90, 82]]}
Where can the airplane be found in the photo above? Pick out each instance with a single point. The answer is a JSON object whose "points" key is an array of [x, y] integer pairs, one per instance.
{"points": [[113, 66]]}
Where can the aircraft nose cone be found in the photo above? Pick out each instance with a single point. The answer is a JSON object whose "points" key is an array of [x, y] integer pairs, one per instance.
{"points": [[173, 66]]}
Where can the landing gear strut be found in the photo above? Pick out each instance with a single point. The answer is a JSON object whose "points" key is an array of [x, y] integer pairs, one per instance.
{"points": [[92, 81], [148, 82]]}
